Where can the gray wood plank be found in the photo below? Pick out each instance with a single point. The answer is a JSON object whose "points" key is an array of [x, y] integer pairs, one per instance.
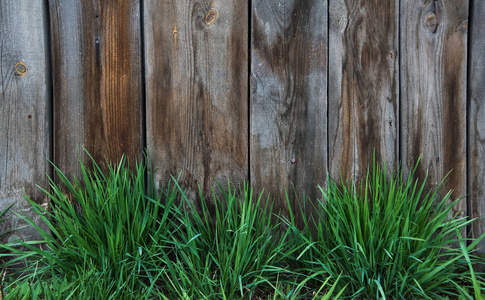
{"points": [[196, 55], [96, 55], [24, 109], [288, 132], [433, 109], [363, 86], [476, 119]]}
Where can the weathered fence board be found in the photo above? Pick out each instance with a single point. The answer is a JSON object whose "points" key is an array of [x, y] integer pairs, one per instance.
{"points": [[96, 57], [24, 108], [476, 119], [196, 58], [288, 99], [433, 109], [363, 85]]}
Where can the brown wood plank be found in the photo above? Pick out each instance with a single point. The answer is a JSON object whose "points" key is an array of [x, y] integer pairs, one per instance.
{"points": [[289, 98], [363, 86], [476, 119], [433, 108], [96, 55], [196, 55], [24, 109]]}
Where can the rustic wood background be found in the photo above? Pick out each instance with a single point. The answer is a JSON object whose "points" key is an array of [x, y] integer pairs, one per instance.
{"points": [[274, 92]]}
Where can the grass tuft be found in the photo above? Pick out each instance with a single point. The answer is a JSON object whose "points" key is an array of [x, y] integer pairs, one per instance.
{"points": [[387, 238], [229, 250], [113, 235], [110, 225]]}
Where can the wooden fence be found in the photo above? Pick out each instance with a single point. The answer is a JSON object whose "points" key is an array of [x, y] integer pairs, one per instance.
{"points": [[275, 92]]}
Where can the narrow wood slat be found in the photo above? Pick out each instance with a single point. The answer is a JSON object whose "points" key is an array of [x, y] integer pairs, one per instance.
{"points": [[96, 55], [433, 109], [24, 109], [196, 55], [363, 86], [288, 99], [476, 119]]}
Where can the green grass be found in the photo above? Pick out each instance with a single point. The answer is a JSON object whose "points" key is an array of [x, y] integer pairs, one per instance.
{"points": [[388, 238], [224, 254], [112, 235], [110, 225]]}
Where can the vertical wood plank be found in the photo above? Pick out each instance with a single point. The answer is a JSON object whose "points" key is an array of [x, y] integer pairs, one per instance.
{"points": [[363, 86], [196, 55], [289, 98], [96, 55], [433, 73], [24, 109], [476, 119]]}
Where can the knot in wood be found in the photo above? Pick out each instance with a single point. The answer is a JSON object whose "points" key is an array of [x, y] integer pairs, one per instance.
{"points": [[431, 21], [21, 68], [211, 16]]}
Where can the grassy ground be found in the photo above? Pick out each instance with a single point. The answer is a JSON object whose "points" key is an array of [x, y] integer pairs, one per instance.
{"points": [[113, 238]]}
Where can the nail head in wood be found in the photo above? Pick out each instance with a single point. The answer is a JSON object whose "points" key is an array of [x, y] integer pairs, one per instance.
{"points": [[211, 16]]}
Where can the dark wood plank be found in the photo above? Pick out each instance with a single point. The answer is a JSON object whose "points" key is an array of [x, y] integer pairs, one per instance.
{"points": [[24, 109], [196, 73], [96, 55], [363, 86], [433, 109], [476, 119], [289, 98]]}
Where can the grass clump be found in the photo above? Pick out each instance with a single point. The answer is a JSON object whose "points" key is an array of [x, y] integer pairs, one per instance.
{"points": [[112, 235], [388, 238], [224, 254], [104, 231]]}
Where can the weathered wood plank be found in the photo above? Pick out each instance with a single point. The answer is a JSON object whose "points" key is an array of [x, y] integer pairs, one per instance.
{"points": [[96, 55], [363, 86], [476, 119], [433, 91], [24, 109], [288, 98], [196, 74]]}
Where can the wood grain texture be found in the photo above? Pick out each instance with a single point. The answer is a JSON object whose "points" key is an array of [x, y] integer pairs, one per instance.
{"points": [[24, 109], [433, 109], [196, 55], [476, 119], [96, 56], [288, 132], [363, 86]]}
